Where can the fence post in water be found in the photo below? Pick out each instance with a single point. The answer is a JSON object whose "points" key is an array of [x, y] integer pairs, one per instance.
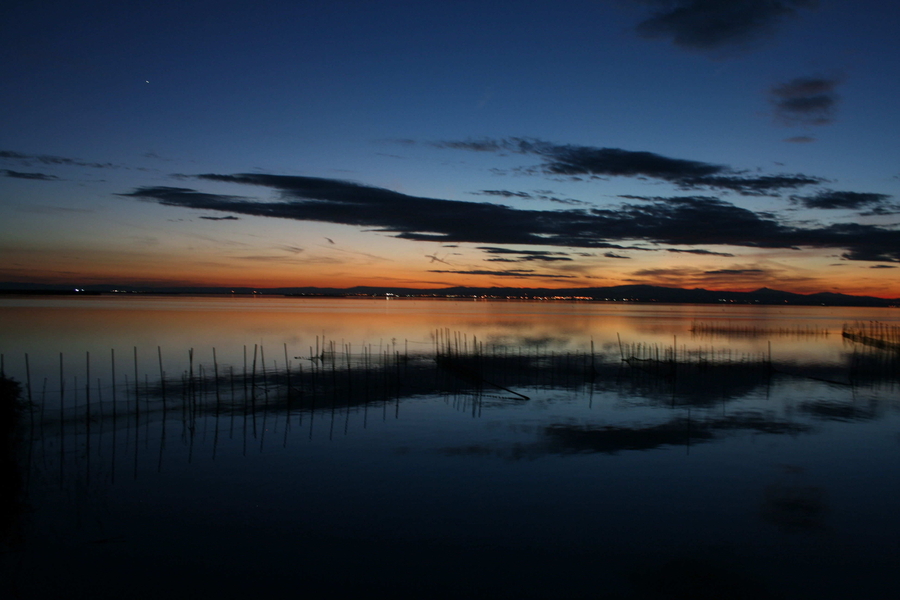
{"points": [[87, 415], [231, 424], [112, 356], [218, 397], [62, 387], [218, 400], [287, 370], [162, 381], [262, 358], [349, 379], [137, 407], [191, 379], [87, 393], [30, 406], [253, 389], [28, 377]]}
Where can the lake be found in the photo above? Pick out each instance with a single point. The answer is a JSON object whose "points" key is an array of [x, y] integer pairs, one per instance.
{"points": [[236, 447]]}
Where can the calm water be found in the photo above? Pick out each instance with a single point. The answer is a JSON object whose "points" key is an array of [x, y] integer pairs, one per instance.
{"points": [[763, 465]]}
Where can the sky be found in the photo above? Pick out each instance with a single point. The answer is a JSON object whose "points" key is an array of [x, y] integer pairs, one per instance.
{"points": [[721, 144]]}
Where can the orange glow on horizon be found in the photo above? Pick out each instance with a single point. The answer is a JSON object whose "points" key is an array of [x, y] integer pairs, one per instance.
{"points": [[847, 284]]}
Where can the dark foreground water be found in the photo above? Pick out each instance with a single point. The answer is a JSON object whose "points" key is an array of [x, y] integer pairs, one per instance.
{"points": [[517, 470]]}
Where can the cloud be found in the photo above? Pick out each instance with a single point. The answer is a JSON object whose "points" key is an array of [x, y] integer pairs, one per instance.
{"points": [[831, 200], [800, 139], [892, 209], [569, 201], [524, 255], [736, 272], [687, 221], [667, 272], [697, 251], [613, 255], [805, 101], [693, 277], [46, 159], [520, 273], [538, 195], [575, 161], [706, 25], [883, 267], [34, 176], [504, 194], [863, 242], [228, 218]]}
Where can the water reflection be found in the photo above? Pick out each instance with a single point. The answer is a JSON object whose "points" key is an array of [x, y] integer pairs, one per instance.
{"points": [[12, 463], [690, 578], [331, 385], [467, 465], [843, 411], [794, 508], [680, 431], [44, 328]]}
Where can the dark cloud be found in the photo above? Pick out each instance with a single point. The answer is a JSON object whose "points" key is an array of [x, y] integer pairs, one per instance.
{"points": [[800, 139], [46, 159], [761, 185], [538, 195], [697, 251], [524, 255], [186, 197], [863, 242], [504, 194], [880, 211], [587, 160], [575, 161], [741, 272], [613, 255], [228, 218], [805, 101], [510, 273], [713, 24], [483, 145], [569, 201], [666, 272], [692, 277], [831, 199], [34, 176], [883, 267], [678, 221]]}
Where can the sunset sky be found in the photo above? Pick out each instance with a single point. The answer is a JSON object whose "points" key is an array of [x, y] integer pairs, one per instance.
{"points": [[723, 144]]}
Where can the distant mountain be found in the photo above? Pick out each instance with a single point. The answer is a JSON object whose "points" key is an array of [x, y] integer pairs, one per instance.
{"points": [[621, 293]]}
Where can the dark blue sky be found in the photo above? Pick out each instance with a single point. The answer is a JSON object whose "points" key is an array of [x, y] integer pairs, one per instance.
{"points": [[564, 113]]}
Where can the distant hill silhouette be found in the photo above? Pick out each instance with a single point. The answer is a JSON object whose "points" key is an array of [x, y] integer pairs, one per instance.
{"points": [[621, 293]]}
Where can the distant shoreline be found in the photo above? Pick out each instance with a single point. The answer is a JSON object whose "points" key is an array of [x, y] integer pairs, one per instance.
{"points": [[619, 294]]}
